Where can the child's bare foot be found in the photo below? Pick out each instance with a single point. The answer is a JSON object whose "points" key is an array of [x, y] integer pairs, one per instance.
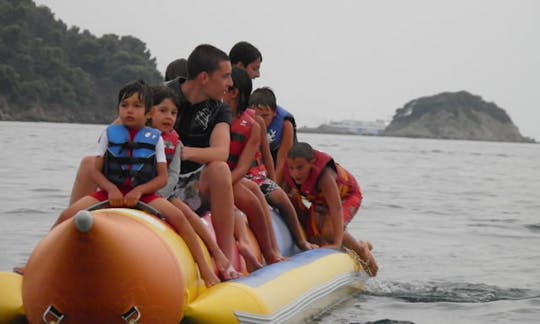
{"points": [[275, 258], [305, 245], [252, 263], [225, 269], [228, 273], [370, 246], [369, 264], [209, 277]]}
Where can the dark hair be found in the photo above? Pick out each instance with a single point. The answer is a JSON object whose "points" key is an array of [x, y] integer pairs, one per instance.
{"points": [[242, 82], [245, 53], [177, 68], [162, 92], [263, 97], [204, 58], [137, 87], [301, 150]]}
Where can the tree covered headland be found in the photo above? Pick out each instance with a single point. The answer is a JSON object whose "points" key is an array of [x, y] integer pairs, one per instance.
{"points": [[49, 72]]}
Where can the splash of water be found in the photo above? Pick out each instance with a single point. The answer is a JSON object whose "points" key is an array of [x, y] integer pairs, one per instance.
{"points": [[454, 292]]}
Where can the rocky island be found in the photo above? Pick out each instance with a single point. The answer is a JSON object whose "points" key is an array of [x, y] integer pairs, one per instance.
{"points": [[454, 115]]}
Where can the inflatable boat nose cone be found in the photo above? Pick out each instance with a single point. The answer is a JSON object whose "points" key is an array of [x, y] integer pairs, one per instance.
{"points": [[84, 221]]}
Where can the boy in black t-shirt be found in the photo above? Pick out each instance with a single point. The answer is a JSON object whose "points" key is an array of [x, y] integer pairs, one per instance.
{"points": [[204, 126]]}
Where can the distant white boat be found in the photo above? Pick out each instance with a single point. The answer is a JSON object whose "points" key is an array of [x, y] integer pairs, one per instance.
{"points": [[356, 127], [360, 127]]}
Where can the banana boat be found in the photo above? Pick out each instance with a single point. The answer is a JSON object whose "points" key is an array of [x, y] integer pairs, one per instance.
{"points": [[120, 265]]}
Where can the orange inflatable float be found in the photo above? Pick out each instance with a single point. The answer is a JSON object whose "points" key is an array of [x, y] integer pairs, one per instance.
{"points": [[126, 269]]}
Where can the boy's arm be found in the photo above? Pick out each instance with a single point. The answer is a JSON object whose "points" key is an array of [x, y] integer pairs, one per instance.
{"points": [[265, 150], [152, 186], [116, 199], [248, 154], [330, 191], [172, 173], [218, 150], [287, 139], [292, 193]]}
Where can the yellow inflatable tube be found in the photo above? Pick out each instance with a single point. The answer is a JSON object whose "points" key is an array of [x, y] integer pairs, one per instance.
{"points": [[277, 293], [124, 265], [11, 306]]}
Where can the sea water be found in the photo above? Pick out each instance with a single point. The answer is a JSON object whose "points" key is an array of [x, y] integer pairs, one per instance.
{"points": [[455, 224]]}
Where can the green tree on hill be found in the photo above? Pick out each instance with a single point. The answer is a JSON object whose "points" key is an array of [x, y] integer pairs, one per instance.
{"points": [[54, 73]]}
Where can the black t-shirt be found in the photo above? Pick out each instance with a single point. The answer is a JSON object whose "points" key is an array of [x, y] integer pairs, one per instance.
{"points": [[195, 123]]}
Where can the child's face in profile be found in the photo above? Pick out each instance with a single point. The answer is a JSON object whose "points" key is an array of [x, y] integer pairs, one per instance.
{"points": [[266, 113], [163, 115], [131, 112], [253, 69], [299, 169]]}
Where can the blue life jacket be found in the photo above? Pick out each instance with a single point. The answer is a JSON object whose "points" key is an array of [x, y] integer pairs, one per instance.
{"points": [[135, 160], [275, 130]]}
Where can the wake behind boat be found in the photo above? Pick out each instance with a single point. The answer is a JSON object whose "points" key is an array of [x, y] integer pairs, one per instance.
{"points": [[124, 265]]}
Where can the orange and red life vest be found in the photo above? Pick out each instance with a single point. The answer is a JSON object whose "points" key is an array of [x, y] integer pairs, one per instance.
{"points": [[347, 184], [240, 132], [171, 140]]}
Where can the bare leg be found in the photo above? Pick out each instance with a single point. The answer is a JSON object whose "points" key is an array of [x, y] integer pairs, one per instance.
{"points": [[224, 266], [363, 251], [216, 184], [243, 243], [80, 204], [256, 190], [176, 218], [370, 246], [83, 184], [258, 221], [279, 199]]}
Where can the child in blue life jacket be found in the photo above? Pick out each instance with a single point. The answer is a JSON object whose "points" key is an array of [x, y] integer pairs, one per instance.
{"points": [[125, 181], [162, 116], [280, 127], [335, 198]]}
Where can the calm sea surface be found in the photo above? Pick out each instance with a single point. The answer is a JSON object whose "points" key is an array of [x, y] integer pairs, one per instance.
{"points": [[455, 224]]}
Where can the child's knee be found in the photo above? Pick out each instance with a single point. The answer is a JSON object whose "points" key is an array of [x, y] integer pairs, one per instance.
{"points": [[217, 168], [217, 173], [87, 164], [279, 197]]}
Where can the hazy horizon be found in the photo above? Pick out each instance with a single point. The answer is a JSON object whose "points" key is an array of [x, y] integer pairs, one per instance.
{"points": [[356, 59]]}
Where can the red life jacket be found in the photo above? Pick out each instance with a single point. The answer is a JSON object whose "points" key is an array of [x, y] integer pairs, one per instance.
{"points": [[240, 132], [171, 140], [347, 184]]}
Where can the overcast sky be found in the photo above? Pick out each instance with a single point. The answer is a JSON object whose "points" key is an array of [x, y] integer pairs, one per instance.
{"points": [[333, 60]]}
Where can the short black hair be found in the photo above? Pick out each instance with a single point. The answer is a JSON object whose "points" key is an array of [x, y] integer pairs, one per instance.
{"points": [[137, 87], [244, 53], [175, 69], [263, 97], [162, 92], [204, 58], [301, 150]]}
